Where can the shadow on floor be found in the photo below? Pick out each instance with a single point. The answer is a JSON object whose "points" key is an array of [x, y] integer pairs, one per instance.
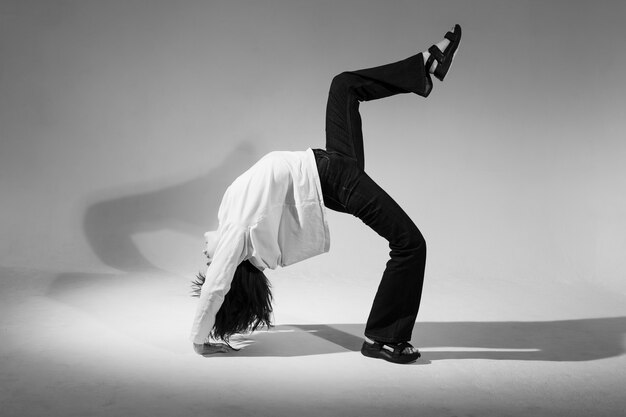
{"points": [[562, 340], [129, 297]]}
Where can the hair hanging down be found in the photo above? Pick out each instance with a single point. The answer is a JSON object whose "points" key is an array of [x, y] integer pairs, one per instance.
{"points": [[247, 305]]}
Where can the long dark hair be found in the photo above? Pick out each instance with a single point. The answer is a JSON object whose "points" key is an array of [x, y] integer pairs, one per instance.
{"points": [[247, 305]]}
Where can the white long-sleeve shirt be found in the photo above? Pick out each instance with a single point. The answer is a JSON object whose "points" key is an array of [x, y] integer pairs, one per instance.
{"points": [[272, 215]]}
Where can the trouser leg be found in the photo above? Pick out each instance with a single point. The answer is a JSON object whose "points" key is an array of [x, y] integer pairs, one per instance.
{"points": [[397, 299], [349, 189], [343, 121]]}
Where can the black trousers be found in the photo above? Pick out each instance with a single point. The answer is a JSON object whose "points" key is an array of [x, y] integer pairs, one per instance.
{"points": [[347, 188]]}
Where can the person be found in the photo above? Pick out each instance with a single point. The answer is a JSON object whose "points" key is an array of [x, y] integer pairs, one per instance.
{"points": [[274, 215]]}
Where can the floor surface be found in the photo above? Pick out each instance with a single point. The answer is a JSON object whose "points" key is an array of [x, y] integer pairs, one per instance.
{"points": [[86, 344]]}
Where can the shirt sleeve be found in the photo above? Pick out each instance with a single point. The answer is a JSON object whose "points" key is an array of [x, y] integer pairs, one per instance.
{"points": [[229, 253]]}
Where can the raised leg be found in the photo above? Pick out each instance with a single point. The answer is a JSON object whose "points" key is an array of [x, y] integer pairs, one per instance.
{"points": [[343, 121]]}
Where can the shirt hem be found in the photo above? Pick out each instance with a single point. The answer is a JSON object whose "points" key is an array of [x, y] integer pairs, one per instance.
{"points": [[318, 185]]}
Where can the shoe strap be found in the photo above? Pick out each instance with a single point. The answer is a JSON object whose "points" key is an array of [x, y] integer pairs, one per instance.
{"points": [[452, 36], [436, 53], [401, 346], [429, 62], [398, 348]]}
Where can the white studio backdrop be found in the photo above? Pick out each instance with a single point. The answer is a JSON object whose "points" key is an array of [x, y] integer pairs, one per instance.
{"points": [[121, 123]]}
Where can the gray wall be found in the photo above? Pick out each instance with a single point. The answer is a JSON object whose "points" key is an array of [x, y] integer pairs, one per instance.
{"points": [[122, 122]]}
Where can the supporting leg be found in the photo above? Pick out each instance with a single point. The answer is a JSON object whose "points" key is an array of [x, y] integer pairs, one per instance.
{"points": [[397, 300], [347, 188]]}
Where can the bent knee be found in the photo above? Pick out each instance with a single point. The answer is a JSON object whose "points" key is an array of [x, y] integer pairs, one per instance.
{"points": [[412, 242], [342, 81], [418, 243]]}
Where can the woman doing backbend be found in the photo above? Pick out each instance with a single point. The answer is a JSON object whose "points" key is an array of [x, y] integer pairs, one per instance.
{"points": [[274, 215]]}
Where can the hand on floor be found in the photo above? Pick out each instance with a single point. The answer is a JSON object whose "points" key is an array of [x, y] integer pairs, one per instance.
{"points": [[206, 349]]}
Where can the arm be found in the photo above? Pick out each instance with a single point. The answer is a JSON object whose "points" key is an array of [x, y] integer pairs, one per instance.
{"points": [[229, 253]]}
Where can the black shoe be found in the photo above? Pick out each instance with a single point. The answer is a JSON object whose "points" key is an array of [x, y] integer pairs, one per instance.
{"points": [[444, 59], [392, 352]]}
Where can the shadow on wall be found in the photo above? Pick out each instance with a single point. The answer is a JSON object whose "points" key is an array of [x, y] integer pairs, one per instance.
{"points": [[109, 225]]}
